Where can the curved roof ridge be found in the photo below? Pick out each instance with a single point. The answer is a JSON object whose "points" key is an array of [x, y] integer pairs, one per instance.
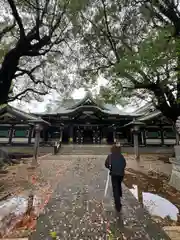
{"points": [[87, 96]]}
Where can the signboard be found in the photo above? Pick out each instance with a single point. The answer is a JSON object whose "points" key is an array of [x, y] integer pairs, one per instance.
{"points": [[88, 112]]}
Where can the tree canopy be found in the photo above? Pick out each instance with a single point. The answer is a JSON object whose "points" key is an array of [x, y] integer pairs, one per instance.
{"points": [[36, 47], [135, 45]]}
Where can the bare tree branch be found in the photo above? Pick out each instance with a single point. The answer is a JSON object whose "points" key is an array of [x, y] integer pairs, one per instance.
{"points": [[44, 10], [6, 30], [59, 18], [29, 72], [32, 77], [38, 22], [170, 96], [111, 41], [22, 94], [17, 17]]}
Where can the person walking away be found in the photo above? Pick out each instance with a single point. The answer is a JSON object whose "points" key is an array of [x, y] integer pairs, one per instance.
{"points": [[116, 163]]}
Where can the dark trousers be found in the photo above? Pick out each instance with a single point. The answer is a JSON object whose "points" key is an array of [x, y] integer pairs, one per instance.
{"points": [[117, 190]]}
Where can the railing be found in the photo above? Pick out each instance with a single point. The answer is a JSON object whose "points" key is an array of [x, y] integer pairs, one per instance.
{"points": [[57, 146]]}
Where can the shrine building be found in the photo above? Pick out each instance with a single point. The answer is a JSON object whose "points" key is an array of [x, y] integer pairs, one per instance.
{"points": [[86, 121]]}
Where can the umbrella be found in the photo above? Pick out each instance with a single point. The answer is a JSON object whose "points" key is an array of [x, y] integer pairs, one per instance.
{"points": [[107, 184]]}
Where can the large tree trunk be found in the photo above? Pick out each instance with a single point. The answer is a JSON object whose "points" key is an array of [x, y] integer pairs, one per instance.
{"points": [[168, 111], [7, 72]]}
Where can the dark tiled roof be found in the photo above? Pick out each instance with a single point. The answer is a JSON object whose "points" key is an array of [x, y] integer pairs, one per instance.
{"points": [[70, 105], [146, 108], [20, 114], [108, 108], [147, 112], [150, 116]]}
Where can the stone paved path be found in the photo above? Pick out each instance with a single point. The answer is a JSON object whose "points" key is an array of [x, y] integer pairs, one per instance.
{"points": [[75, 210]]}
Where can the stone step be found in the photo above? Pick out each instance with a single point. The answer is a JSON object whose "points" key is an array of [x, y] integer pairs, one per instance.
{"points": [[84, 150], [81, 153]]}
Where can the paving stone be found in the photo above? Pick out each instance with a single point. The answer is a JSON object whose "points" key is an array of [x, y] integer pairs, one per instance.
{"points": [[101, 149], [76, 209]]}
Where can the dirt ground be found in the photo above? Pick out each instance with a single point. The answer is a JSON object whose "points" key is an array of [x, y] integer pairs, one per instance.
{"points": [[21, 180], [150, 162], [18, 179]]}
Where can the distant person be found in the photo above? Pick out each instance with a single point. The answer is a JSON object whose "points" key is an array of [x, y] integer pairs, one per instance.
{"points": [[116, 163]]}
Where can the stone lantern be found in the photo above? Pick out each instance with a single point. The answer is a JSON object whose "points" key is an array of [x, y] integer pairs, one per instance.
{"points": [[136, 126], [61, 131], [38, 126], [175, 175], [58, 134]]}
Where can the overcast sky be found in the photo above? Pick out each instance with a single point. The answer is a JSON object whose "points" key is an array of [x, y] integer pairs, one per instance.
{"points": [[36, 107]]}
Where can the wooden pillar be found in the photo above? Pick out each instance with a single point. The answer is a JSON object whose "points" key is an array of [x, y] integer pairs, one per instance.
{"points": [[61, 133], [114, 135], [177, 138], [144, 136], [30, 134], [43, 136], [46, 135], [11, 134], [132, 138], [136, 145], [129, 139], [104, 135], [71, 129], [162, 136], [38, 129]]}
